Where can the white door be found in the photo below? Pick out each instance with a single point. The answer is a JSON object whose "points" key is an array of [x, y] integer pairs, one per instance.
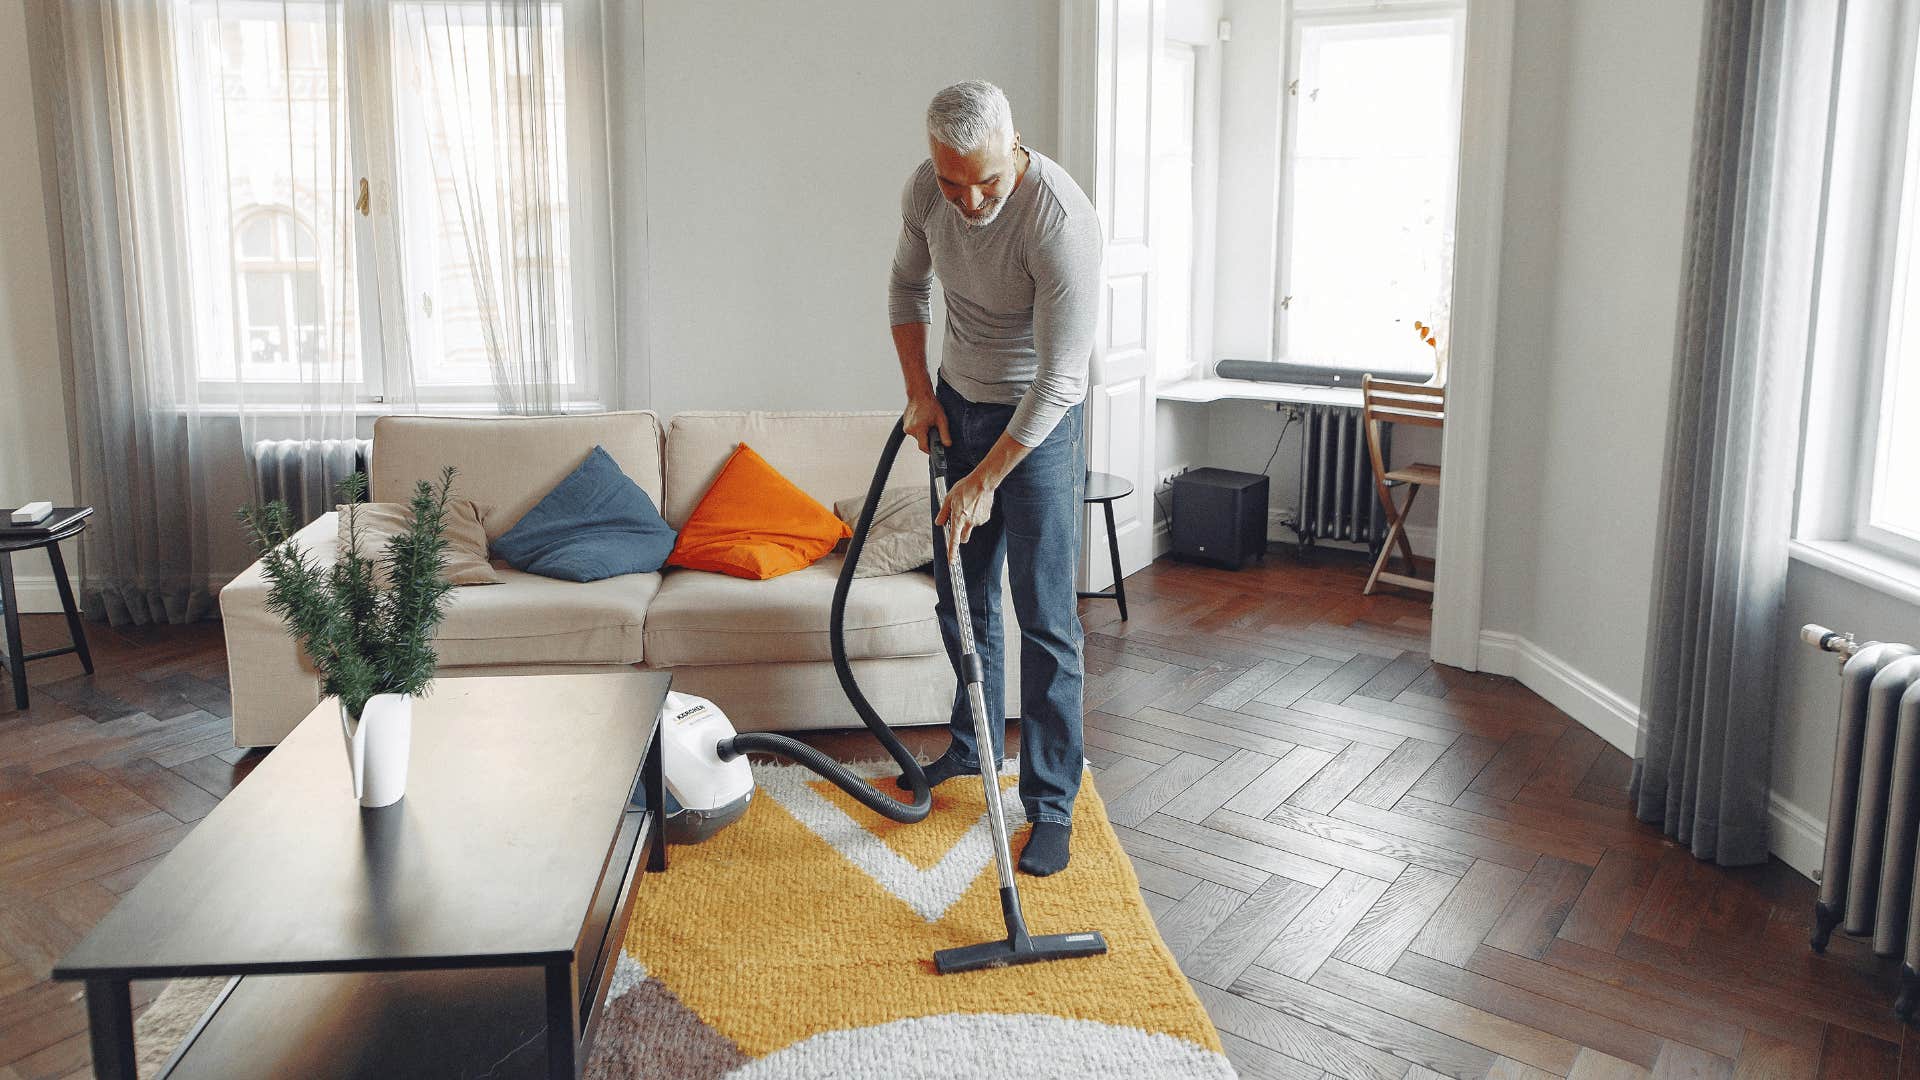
{"points": [[1109, 50]]}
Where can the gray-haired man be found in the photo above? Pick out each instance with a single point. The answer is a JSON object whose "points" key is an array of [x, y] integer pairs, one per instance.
{"points": [[1016, 246]]}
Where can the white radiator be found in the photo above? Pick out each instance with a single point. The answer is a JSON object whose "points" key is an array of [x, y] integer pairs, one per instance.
{"points": [[303, 473], [1867, 886]]}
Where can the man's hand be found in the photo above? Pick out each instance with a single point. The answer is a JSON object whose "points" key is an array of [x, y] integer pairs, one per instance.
{"points": [[924, 414], [969, 503]]}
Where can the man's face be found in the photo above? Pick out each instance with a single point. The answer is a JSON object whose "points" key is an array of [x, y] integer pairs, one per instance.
{"points": [[976, 185]]}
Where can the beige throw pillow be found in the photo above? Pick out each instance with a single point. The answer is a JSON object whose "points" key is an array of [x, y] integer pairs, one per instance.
{"points": [[466, 539], [901, 537]]}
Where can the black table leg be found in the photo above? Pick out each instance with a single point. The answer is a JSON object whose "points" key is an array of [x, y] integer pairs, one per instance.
{"points": [[563, 1022], [110, 1029], [656, 782], [1113, 552], [16, 652], [74, 629]]}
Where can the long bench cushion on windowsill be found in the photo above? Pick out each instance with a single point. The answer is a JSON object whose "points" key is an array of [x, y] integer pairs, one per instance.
{"points": [[705, 618]]}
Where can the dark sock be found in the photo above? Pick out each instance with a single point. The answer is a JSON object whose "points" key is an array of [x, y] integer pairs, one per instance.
{"points": [[1047, 849], [939, 771]]}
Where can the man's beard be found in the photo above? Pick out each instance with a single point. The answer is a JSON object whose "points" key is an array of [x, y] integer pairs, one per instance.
{"points": [[979, 222]]}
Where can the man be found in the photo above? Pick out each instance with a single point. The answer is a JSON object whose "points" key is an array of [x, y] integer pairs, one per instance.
{"points": [[1016, 246]]}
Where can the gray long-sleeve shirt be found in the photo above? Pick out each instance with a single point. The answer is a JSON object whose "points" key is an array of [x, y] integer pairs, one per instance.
{"points": [[1022, 292]]}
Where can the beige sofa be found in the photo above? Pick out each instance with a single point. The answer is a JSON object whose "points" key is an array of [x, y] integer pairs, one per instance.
{"points": [[757, 648]]}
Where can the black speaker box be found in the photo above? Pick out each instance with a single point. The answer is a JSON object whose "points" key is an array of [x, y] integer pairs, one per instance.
{"points": [[1220, 516]]}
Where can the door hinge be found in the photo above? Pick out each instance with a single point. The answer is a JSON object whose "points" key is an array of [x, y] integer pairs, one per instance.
{"points": [[1286, 302], [1293, 90], [364, 203]]}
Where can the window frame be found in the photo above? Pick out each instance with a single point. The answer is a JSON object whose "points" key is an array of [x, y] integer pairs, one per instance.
{"points": [[405, 121], [375, 129], [1870, 219], [1353, 13], [1893, 335]]}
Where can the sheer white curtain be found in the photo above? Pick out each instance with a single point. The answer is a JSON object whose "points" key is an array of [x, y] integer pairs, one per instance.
{"points": [[207, 259], [481, 90], [281, 215]]}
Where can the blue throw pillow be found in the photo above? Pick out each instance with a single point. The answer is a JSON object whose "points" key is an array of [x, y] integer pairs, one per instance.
{"points": [[595, 524]]}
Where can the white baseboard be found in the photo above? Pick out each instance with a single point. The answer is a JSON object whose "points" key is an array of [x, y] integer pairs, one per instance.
{"points": [[38, 594], [1598, 709], [1796, 837]]}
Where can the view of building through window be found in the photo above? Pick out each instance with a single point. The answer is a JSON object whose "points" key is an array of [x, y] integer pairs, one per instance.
{"points": [[265, 153]]}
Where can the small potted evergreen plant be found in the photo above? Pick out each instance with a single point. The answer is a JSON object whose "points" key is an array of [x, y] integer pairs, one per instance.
{"points": [[372, 646]]}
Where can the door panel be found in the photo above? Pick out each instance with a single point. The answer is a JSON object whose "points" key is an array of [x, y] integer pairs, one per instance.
{"points": [[1120, 415]]}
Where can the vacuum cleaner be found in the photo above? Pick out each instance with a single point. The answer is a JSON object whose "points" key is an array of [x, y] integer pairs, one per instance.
{"points": [[709, 781]]}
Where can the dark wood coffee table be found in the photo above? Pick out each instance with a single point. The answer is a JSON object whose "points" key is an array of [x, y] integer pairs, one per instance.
{"points": [[447, 935]]}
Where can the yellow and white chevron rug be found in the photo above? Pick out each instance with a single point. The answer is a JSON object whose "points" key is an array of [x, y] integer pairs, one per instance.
{"points": [[799, 943]]}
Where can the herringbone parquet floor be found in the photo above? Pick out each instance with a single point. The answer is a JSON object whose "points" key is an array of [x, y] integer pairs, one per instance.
{"points": [[1369, 866]]}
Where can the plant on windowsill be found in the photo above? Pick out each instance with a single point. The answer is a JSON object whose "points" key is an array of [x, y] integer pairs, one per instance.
{"points": [[373, 647], [1431, 337]]}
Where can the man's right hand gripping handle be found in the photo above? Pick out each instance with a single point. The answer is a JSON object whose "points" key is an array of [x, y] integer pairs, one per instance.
{"points": [[924, 414]]}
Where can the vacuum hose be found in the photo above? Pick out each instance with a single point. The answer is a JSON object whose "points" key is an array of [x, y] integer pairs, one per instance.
{"points": [[800, 753]]}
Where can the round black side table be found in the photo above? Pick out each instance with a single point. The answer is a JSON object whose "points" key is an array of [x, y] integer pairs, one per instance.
{"points": [[1104, 488], [66, 521]]}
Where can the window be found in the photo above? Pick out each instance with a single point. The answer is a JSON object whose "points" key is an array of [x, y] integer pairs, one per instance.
{"points": [[286, 105], [1888, 506], [452, 121], [267, 233], [1858, 511], [1372, 122]]}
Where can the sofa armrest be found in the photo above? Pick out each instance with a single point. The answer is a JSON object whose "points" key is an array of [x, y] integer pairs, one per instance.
{"points": [[273, 684]]}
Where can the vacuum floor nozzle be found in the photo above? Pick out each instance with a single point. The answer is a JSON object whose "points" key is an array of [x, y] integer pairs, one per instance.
{"points": [[1018, 950]]}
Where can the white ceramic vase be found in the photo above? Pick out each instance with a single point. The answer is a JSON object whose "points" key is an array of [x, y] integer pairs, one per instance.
{"points": [[377, 746]]}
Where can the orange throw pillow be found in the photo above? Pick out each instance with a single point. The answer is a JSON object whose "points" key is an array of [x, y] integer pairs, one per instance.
{"points": [[753, 523]]}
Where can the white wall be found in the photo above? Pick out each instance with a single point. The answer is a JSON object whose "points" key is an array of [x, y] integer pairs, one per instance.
{"points": [[1596, 187], [1599, 147], [777, 139], [34, 460]]}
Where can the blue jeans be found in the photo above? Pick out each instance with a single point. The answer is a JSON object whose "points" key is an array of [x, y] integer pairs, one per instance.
{"points": [[1036, 526]]}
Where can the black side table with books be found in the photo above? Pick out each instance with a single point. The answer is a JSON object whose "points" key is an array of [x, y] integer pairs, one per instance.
{"points": [[65, 521]]}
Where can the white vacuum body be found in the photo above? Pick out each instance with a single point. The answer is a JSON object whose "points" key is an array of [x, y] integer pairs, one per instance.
{"points": [[704, 794]]}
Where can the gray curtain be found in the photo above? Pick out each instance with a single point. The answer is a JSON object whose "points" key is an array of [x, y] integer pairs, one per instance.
{"points": [[1762, 116]]}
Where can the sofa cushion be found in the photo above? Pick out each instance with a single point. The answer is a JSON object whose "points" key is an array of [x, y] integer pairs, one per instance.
{"points": [[753, 523], [702, 618], [593, 525], [900, 536], [466, 537], [533, 619], [509, 462], [828, 455]]}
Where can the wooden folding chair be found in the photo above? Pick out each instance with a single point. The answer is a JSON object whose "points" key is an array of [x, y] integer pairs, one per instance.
{"points": [[1385, 402]]}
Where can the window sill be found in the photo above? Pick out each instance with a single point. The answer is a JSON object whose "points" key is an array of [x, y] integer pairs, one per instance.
{"points": [[1884, 574], [376, 408]]}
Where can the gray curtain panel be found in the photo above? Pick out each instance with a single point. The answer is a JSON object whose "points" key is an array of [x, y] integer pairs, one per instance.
{"points": [[1707, 703], [142, 466]]}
